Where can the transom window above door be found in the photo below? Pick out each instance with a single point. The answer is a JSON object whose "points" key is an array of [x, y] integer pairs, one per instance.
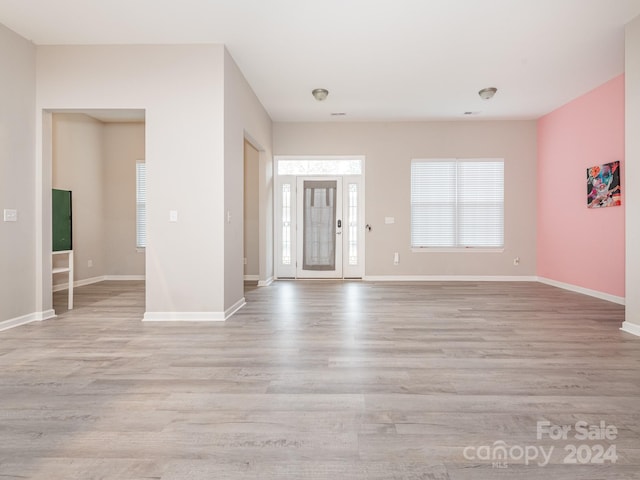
{"points": [[320, 166]]}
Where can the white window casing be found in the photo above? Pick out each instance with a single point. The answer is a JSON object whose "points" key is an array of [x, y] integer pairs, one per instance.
{"points": [[457, 204]]}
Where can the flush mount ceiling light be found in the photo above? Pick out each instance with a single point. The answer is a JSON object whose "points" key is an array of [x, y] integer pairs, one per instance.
{"points": [[320, 94], [487, 93]]}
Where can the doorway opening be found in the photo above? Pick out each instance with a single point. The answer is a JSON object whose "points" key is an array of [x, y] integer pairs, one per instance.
{"points": [[251, 217], [97, 156], [319, 217]]}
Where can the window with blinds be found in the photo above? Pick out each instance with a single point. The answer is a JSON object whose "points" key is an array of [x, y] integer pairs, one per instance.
{"points": [[457, 203], [141, 204]]}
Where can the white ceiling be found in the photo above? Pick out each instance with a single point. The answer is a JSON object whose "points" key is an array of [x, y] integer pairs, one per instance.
{"points": [[380, 59]]}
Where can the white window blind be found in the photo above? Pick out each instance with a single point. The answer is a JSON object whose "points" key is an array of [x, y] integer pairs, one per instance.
{"points": [[141, 205], [457, 203]]}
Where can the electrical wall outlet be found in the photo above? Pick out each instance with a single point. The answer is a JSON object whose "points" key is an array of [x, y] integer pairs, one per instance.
{"points": [[90, 263], [516, 261], [396, 258], [10, 215]]}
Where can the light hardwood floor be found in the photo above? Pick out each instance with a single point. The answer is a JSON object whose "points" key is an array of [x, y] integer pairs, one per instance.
{"points": [[320, 380]]}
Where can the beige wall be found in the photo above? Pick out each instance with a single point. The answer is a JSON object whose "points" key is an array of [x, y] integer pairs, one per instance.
{"points": [[96, 161], [251, 212], [123, 146], [78, 166], [17, 171], [244, 118], [632, 176], [181, 90], [389, 148]]}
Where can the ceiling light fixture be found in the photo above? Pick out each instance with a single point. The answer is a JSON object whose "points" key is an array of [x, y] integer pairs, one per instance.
{"points": [[487, 93], [320, 94]]}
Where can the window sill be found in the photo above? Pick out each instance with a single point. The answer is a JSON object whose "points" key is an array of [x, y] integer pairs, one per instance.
{"points": [[457, 250]]}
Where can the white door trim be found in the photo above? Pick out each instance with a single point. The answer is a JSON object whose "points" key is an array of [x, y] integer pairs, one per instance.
{"points": [[287, 269]]}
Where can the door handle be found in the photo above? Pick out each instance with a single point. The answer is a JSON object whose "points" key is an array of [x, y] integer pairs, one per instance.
{"points": [[339, 223]]}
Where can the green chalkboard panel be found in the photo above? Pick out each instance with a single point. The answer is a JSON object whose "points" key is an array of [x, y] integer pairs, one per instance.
{"points": [[61, 202]]}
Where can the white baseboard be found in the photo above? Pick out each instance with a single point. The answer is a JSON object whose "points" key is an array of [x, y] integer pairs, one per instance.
{"points": [[119, 278], [78, 283], [46, 315], [266, 283], [183, 317], [194, 316], [88, 281], [631, 328], [23, 320], [234, 308], [251, 278], [585, 291], [448, 278], [494, 278]]}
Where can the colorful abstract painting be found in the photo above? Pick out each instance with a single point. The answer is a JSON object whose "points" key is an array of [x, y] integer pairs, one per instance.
{"points": [[603, 185]]}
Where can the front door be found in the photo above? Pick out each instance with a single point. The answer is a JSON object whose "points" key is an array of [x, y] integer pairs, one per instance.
{"points": [[319, 232]]}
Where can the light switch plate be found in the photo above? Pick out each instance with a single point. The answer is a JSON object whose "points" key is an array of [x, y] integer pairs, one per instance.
{"points": [[10, 215], [389, 220], [173, 215]]}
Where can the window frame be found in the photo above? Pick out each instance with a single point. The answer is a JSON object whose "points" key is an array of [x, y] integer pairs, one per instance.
{"points": [[460, 248]]}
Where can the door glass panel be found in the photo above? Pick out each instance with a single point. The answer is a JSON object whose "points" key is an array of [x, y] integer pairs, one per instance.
{"points": [[319, 225]]}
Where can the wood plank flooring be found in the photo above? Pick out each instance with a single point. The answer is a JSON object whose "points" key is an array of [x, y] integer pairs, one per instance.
{"points": [[321, 380]]}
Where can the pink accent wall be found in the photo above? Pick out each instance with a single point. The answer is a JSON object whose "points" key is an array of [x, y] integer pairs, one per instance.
{"points": [[577, 245]]}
